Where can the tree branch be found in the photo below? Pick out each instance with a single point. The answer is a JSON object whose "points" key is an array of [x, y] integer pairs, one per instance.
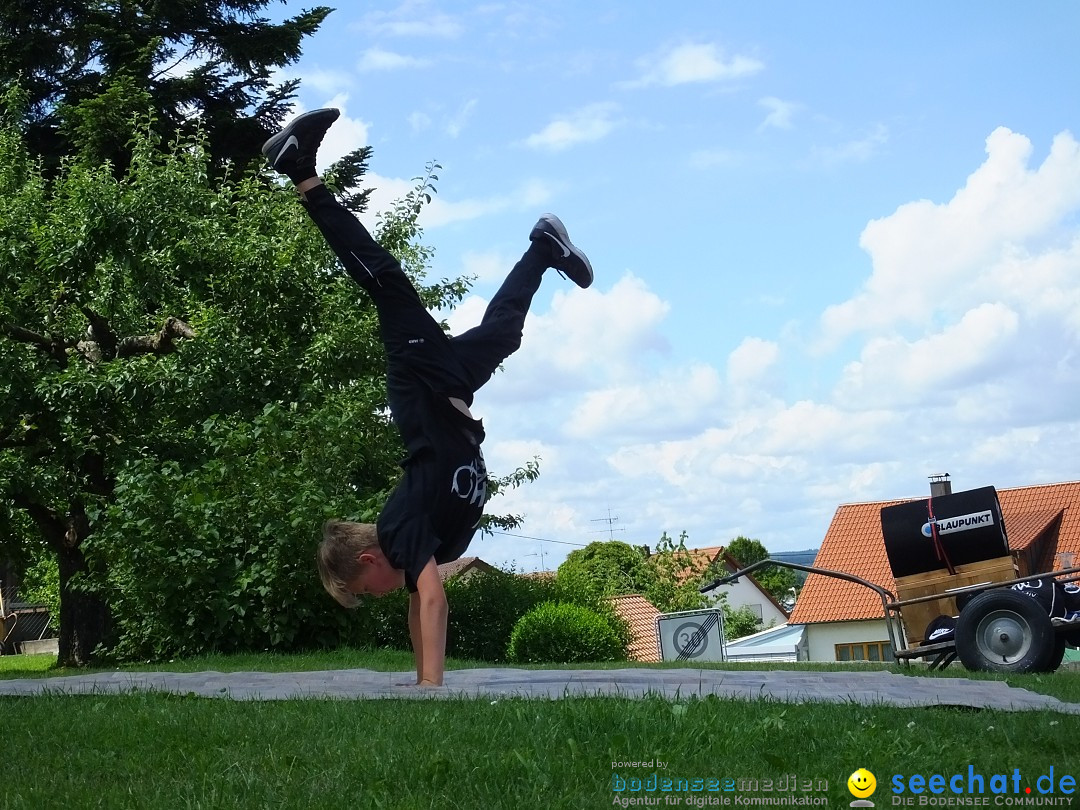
{"points": [[161, 343], [51, 524], [11, 441], [104, 345], [54, 346], [102, 333]]}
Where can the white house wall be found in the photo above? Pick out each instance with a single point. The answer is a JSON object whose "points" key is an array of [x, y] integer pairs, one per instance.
{"points": [[744, 593], [823, 638]]}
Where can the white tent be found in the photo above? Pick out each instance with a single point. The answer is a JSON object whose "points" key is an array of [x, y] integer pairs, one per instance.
{"points": [[785, 642]]}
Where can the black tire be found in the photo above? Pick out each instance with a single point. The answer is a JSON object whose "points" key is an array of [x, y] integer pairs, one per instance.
{"points": [[1005, 631], [963, 599], [1059, 653]]}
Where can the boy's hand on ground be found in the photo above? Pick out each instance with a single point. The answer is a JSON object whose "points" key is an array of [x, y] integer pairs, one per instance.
{"points": [[430, 601]]}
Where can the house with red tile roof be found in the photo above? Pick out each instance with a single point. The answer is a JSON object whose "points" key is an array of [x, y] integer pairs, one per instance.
{"points": [[463, 567], [844, 621], [640, 615], [747, 592]]}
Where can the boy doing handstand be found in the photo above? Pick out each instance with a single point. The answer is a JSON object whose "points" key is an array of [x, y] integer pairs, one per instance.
{"points": [[431, 377]]}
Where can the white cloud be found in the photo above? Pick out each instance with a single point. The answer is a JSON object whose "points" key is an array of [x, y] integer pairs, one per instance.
{"points": [[976, 371], [671, 403], [591, 123], [413, 18], [527, 196], [891, 371], [859, 150], [751, 361], [377, 59], [419, 121], [587, 340], [326, 82], [951, 257], [693, 63], [780, 113], [460, 119], [602, 334], [490, 266]]}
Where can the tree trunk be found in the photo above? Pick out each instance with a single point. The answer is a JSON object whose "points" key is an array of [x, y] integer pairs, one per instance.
{"points": [[84, 617]]}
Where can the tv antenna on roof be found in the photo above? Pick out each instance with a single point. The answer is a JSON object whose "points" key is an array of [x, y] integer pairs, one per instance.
{"points": [[610, 521]]}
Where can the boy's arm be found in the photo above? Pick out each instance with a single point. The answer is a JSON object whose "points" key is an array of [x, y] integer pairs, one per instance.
{"points": [[429, 640], [414, 635]]}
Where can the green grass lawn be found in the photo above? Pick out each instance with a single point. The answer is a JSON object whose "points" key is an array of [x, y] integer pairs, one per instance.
{"points": [[153, 750]]}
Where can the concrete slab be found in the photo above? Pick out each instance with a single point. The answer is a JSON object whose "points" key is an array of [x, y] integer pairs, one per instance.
{"points": [[866, 688], [43, 646]]}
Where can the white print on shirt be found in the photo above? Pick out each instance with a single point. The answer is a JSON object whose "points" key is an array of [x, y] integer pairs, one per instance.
{"points": [[470, 481]]}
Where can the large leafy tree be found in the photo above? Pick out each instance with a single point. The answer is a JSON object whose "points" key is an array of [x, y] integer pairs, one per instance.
{"points": [[188, 386], [88, 65], [606, 568], [775, 579], [676, 581]]}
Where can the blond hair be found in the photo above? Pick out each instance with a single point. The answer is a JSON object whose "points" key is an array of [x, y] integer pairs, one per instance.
{"points": [[338, 557]]}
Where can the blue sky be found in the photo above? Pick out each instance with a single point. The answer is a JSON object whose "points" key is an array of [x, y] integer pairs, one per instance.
{"points": [[837, 246]]}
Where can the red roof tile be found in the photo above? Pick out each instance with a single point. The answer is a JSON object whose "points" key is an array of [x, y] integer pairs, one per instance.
{"points": [[854, 544], [699, 560], [640, 614], [1025, 528]]}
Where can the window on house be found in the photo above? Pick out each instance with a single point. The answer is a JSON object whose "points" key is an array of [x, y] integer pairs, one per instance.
{"points": [[756, 610], [865, 651]]}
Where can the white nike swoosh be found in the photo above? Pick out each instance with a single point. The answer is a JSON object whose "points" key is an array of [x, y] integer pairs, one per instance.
{"points": [[565, 249], [290, 142]]}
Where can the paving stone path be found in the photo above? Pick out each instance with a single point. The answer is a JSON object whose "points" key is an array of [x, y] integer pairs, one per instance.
{"points": [[866, 688]]}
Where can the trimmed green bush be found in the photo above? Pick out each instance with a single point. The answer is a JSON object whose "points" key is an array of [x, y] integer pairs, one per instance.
{"points": [[557, 632], [485, 606]]}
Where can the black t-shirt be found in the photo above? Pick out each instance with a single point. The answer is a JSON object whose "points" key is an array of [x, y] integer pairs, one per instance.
{"points": [[434, 510]]}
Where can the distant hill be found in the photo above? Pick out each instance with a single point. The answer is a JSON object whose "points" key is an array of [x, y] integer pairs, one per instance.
{"points": [[799, 558]]}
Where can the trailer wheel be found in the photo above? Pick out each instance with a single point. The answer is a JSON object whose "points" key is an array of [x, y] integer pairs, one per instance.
{"points": [[1059, 653], [1005, 631]]}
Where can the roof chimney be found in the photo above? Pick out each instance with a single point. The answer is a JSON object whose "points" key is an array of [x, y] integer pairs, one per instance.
{"points": [[940, 485]]}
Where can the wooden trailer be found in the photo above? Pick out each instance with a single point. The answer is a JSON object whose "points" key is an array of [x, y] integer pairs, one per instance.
{"points": [[950, 557]]}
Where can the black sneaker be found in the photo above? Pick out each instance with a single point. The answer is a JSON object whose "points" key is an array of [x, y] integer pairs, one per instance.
{"points": [[567, 259], [292, 151]]}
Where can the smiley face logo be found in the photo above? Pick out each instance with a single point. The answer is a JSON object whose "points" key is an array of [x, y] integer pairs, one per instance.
{"points": [[861, 783]]}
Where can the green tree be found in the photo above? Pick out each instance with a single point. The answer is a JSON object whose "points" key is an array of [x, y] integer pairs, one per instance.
{"points": [[41, 583], [189, 385], [747, 551], [775, 579], [606, 569], [89, 66], [676, 582], [739, 622]]}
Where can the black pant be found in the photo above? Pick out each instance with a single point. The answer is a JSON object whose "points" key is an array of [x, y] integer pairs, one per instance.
{"points": [[414, 341]]}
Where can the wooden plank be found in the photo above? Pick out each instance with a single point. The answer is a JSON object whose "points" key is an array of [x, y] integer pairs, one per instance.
{"points": [[912, 586]]}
